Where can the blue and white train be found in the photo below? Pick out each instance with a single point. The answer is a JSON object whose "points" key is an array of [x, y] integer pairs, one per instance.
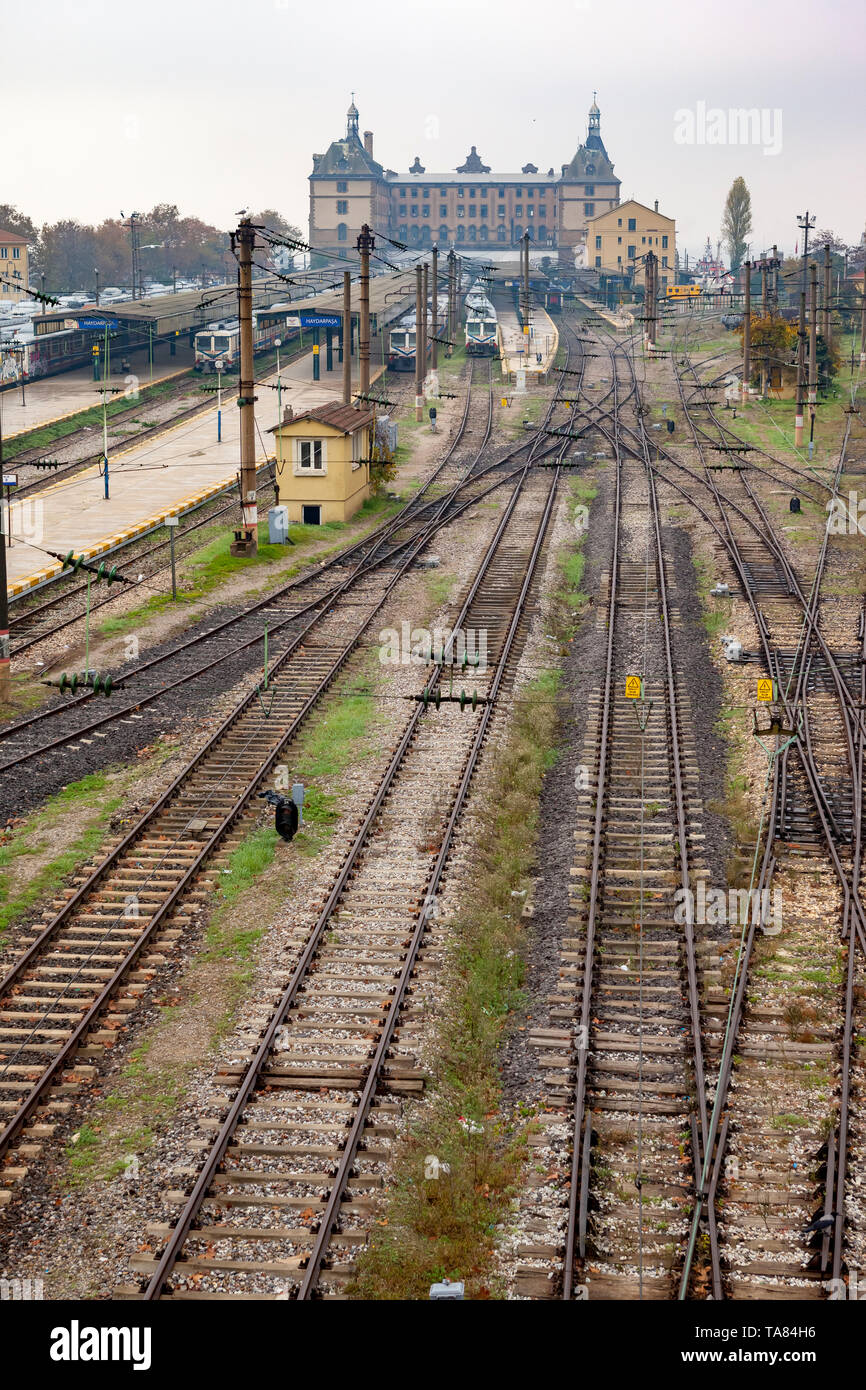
{"points": [[401, 339], [482, 326]]}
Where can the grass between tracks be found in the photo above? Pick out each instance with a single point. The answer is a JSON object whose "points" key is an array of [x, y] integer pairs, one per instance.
{"points": [[45, 435], [90, 802], [446, 1225]]}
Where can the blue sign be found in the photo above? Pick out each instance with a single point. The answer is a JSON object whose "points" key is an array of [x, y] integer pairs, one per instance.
{"points": [[99, 324], [321, 320]]}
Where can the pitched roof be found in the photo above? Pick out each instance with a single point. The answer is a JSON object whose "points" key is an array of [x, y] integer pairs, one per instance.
{"points": [[12, 237], [345, 418], [345, 158]]}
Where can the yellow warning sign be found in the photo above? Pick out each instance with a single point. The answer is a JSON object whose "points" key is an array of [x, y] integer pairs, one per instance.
{"points": [[526, 328], [504, 402], [633, 687], [766, 689], [316, 348]]}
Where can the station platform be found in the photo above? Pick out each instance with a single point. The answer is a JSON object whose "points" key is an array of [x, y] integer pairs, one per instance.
{"points": [[622, 321], [155, 479], [54, 398], [543, 342]]}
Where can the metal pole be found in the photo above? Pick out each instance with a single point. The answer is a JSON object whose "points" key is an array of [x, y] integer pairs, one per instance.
{"points": [[747, 332], [105, 415], [775, 293], [828, 290], [171, 531], [247, 541], [424, 283], [96, 273], [863, 325], [434, 307], [5, 666], [279, 469], [87, 633], [365, 246], [419, 379], [764, 278], [801, 373], [813, 349], [452, 299], [347, 337], [219, 406], [526, 324]]}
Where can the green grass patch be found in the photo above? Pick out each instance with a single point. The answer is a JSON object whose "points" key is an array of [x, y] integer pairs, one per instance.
{"points": [[87, 794], [46, 435]]}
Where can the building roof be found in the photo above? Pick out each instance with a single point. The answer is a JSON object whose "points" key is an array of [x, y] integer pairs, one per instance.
{"points": [[347, 158], [451, 176], [345, 418], [631, 203], [12, 237]]}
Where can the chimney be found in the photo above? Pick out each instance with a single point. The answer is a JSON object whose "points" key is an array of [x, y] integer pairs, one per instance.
{"points": [[288, 414], [656, 205], [368, 142]]}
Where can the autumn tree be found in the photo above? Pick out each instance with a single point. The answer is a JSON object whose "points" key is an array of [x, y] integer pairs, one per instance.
{"points": [[737, 222]]}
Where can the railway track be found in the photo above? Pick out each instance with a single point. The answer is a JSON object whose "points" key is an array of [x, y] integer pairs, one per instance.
{"points": [[285, 1196], [56, 994]]}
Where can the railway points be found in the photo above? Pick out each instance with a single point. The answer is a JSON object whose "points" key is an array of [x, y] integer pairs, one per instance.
{"points": [[552, 984]]}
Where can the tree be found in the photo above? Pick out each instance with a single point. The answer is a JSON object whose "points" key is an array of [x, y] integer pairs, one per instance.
{"points": [[774, 346], [737, 222], [11, 220]]}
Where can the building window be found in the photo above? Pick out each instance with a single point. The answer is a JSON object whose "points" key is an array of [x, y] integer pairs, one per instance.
{"points": [[518, 192], [500, 211], [598, 243], [598, 262], [500, 233], [665, 262], [502, 192], [530, 212], [426, 193], [471, 209], [443, 192], [664, 243], [342, 206], [4, 252], [542, 212], [518, 233], [619, 241], [472, 233], [589, 190], [16, 252], [341, 231], [342, 186], [461, 192], [483, 209], [643, 240], [311, 455], [619, 224], [413, 193], [631, 252], [632, 224], [443, 233], [425, 211], [461, 233], [414, 212], [530, 192], [402, 231], [619, 260], [518, 211], [589, 209], [443, 210], [402, 209], [461, 212], [483, 234], [402, 193]]}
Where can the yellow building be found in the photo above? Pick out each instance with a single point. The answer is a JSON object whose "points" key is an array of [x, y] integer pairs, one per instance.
{"points": [[325, 452], [14, 273], [618, 240]]}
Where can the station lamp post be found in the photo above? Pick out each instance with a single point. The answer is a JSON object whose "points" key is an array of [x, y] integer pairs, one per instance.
{"points": [[96, 273], [219, 364], [278, 343]]}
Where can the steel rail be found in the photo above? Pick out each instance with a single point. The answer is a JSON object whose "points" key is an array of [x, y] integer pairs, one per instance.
{"points": [[253, 1072]]}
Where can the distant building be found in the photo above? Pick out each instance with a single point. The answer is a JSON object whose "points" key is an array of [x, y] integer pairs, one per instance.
{"points": [[470, 208], [618, 240], [14, 273], [326, 451]]}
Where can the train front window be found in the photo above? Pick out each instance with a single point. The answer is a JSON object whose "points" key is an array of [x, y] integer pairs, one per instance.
{"points": [[221, 344], [473, 327], [398, 340], [410, 340], [204, 344], [490, 328]]}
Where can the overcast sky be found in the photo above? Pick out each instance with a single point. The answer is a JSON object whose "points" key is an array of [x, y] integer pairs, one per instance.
{"points": [[217, 106]]}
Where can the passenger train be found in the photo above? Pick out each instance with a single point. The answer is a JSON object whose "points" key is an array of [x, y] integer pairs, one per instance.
{"points": [[482, 327], [221, 341], [401, 339]]}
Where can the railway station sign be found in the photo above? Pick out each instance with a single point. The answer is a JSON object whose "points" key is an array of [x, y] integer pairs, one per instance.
{"points": [[633, 687], [99, 324], [321, 320]]}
